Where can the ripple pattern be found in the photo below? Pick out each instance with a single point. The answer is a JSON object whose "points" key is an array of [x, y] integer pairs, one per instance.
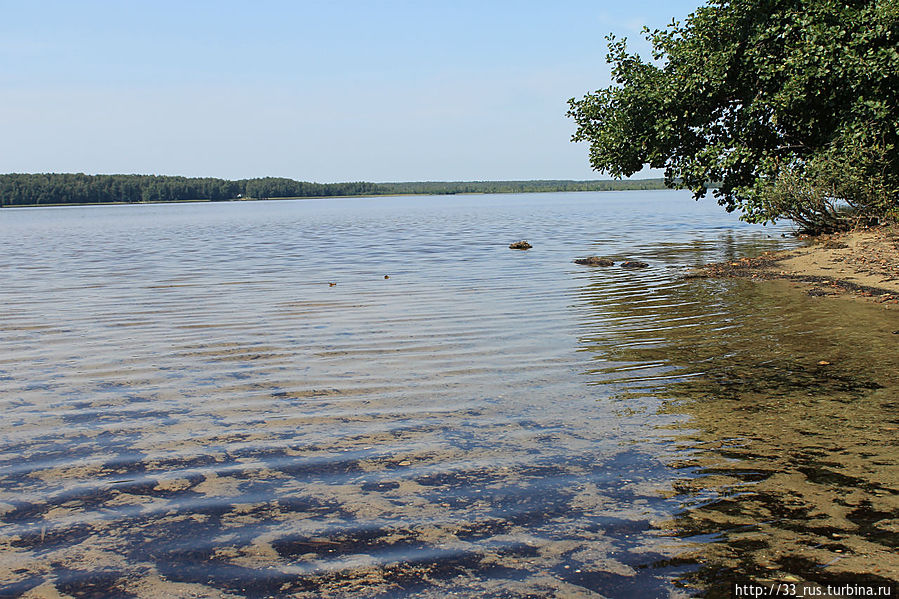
{"points": [[232, 400]]}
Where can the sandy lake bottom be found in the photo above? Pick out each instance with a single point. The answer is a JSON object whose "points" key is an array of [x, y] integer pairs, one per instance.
{"points": [[191, 408]]}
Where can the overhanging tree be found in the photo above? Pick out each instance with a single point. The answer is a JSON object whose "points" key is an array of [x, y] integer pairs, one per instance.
{"points": [[791, 107]]}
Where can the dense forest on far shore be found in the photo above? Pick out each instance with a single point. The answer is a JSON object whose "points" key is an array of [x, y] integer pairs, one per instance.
{"points": [[63, 188]]}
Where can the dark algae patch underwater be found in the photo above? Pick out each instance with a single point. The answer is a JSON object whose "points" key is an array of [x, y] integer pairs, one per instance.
{"points": [[791, 436]]}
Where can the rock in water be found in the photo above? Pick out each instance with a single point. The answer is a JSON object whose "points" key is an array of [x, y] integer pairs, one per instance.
{"points": [[594, 261], [633, 264], [520, 245]]}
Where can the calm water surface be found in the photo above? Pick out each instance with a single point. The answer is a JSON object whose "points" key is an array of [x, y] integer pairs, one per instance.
{"points": [[190, 408]]}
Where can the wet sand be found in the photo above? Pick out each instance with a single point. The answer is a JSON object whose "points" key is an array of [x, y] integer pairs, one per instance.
{"points": [[861, 264]]}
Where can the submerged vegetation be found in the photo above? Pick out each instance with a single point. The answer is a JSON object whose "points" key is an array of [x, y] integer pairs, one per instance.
{"points": [[791, 106], [60, 188]]}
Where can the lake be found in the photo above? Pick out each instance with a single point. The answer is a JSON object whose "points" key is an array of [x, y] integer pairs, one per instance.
{"points": [[377, 397]]}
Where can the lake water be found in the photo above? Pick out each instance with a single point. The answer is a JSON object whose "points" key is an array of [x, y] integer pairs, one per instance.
{"points": [[192, 409]]}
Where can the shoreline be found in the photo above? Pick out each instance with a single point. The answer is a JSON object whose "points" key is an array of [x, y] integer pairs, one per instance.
{"points": [[861, 264], [330, 197]]}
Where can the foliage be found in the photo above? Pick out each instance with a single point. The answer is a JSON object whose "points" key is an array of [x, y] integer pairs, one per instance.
{"points": [[56, 188], [832, 190], [790, 106]]}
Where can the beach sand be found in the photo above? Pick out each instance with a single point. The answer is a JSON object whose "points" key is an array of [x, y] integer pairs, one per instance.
{"points": [[861, 264]]}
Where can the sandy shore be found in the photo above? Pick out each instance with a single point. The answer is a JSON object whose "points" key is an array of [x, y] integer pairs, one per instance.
{"points": [[861, 264]]}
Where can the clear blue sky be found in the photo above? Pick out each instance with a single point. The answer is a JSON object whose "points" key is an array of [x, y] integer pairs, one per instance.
{"points": [[320, 91]]}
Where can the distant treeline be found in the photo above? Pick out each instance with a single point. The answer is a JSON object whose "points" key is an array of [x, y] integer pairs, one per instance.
{"points": [[57, 188], [443, 187]]}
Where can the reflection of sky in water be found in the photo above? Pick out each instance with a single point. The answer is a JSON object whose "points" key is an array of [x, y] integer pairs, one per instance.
{"points": [[793, 425], [191, 408]]}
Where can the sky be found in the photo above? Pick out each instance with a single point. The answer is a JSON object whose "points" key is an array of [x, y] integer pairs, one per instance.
{"points": [[332, 91]]}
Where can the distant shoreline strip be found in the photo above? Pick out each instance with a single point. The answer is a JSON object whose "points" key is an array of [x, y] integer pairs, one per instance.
{"points": [[75, 189]]}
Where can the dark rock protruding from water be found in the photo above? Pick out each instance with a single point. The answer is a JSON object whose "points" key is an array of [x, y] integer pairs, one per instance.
{"points": [[594, 261], [520, 245], [633, 264]]}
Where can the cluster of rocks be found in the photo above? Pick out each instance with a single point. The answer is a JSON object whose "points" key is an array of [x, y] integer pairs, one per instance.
{"points": [[594, 261], [597, 261], [588, 261]]}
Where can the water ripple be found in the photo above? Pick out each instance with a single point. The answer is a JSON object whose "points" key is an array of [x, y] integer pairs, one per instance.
{"points": [[191, 407]]}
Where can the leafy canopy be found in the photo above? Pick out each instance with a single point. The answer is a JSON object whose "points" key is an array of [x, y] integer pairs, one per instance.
{"points": [[791, 108]]}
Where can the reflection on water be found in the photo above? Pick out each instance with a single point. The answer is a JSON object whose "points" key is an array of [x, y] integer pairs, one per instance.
{"points": [[191, 410], [791, 439]]}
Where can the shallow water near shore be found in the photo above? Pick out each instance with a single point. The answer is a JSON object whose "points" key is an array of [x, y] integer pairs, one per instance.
{"points": [[191, 408]]}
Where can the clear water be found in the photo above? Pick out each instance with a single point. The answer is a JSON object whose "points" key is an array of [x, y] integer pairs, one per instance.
{"points": [[191, 408]]}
